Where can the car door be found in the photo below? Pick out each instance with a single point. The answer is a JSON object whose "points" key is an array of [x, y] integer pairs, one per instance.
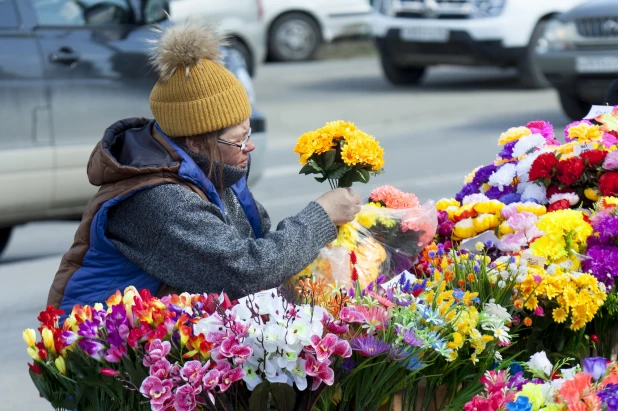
{"points": [[96, 64], [25, 133]]}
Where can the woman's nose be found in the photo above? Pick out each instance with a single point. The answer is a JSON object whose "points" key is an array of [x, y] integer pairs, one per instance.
{"points": [[249, 147]]}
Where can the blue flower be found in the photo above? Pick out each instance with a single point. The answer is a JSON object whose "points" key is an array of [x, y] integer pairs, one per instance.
{"points": [[520, 404], [595, 366]]}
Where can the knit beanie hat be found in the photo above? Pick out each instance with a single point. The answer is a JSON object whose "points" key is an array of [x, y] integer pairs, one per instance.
{"points": [[195, 93]]}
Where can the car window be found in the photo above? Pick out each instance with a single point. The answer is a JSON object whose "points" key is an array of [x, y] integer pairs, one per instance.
{"points": [[82, 12], [8, 15]]}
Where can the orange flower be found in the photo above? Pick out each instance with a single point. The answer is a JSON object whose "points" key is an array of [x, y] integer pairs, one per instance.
{"points": [[448, 275], [518, 304], [471, 278], [573, 390], [527, 321], [461, 283]]}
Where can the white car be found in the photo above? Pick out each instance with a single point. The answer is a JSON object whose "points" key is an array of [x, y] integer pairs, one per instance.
{"points": [[241, 21], [412, 35], [295, 28]]}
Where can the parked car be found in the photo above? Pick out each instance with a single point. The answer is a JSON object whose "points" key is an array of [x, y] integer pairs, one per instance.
{"points": [[241, 21], [66, 74], [413, 35], [579, 55], [295, 28]]}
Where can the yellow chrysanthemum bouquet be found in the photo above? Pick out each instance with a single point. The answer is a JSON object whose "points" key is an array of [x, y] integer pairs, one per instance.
{"points": [[340, 153]]}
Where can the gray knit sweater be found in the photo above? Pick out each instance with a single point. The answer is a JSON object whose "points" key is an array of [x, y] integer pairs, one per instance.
{"points": [[189, 244]]}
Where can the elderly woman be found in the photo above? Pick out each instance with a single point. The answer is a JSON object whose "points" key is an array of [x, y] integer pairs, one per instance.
{"points": [[173, 212]]}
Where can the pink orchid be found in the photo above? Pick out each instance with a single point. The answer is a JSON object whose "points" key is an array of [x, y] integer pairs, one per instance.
{"points": [[230, 348], [230, 377], [330, 344], [223, 366], [158, 391], [161, 369], [337, 327], [611, 161], [320, 371], [211, 379], [185, 398], [193, 371], [156, 350], [351, 316]]}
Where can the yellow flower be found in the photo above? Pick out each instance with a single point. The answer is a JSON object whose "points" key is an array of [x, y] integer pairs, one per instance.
{"points": [[489, 207], [479, 246], [323, 139], [514, 134], [347, 236], [577, 325], [591, 194], [518, 304], [60, 365], [464, 229], [570, 296], [485, 222], [34, 354], [559, 315], [445, 203], [536, 209], [505, 229], [29, 337], [474, 359], [48, 338], [362, 149], [532, 303], [457, 342], [585, 133]]}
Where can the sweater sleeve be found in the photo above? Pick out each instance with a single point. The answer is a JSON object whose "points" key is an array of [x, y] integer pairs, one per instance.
{"points": [[184, 241]]}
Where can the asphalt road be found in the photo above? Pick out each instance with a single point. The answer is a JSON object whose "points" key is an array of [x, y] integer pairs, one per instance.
{"points": [[432, 135]]}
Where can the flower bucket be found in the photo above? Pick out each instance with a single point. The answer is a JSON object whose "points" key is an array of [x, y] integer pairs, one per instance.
{"points": [[436, 403]]}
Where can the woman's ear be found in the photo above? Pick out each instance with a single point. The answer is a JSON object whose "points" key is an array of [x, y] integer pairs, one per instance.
{"points": [[193, 145]]}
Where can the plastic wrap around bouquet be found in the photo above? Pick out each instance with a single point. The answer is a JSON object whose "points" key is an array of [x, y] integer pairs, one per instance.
{"points": [[383, 240]]}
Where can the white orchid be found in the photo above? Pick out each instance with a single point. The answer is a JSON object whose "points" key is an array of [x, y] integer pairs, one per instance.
{"points": [[540, 363]]}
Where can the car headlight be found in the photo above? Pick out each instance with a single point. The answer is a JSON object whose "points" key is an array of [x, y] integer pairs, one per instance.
{"points": [[385, 7], [559, 35], [487, 8]]}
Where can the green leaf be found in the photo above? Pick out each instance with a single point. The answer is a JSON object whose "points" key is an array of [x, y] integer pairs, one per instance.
{"points": [[284, 396], [315, 166], [363, 175], [259, 397], [320, 179], [307, 169], [338, 172], [328, 158]]}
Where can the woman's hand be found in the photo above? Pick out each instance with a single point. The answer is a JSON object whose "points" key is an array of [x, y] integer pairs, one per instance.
{"points": [[340, 204]]}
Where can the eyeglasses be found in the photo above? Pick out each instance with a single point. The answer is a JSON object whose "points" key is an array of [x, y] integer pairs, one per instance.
{"points": [[240, 145]]}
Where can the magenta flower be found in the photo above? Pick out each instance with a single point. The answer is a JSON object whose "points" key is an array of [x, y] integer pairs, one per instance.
{"points": [[161, 369], [115, 354], [92, 347], [157, 391], [211, 379], [185, 398], [88, 329], [330, 344], [320, 371], [539, 311], [369, 346], [155, 351], [193, 371], [337, 327], [230, 377], [69, 338], [351, 316], [494, 381], [230, 348], [611, 161]]}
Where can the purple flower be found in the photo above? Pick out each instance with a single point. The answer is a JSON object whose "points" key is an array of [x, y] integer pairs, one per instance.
{"points": [[609, 396], [595, 366], [157, 391], [155, 351], [92, 347], [185, 397], [117, 326], [397, 354], [369, 346], [517, 381], [602, 263], [115, 354], [69, 337], [446, 228], [348, 365], [483, 173], [468, 189], [506, 153], [510, 198], [409, 337], [495, 193], [88, 329]]}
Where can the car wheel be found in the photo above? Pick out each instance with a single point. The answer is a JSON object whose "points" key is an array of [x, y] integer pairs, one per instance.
{"points": [[5, 236], [294, 37], [530, 74], [574, 107], [245, 53], [398, 75]]}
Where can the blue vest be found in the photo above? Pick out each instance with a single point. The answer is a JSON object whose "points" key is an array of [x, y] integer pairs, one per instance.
{"points": [[105, 269]]}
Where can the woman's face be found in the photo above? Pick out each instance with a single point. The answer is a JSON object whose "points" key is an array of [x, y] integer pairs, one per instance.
{"points": [[232, 155]]}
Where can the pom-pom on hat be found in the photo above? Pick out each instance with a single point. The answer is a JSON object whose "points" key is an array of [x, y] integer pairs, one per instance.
{"points": [[195, 93]]}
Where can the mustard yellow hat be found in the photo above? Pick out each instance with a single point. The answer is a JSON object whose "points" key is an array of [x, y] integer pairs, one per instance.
{"points": [[195, 93]]}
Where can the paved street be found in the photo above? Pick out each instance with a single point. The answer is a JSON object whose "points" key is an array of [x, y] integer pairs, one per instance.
{"points": [[432, 136]]}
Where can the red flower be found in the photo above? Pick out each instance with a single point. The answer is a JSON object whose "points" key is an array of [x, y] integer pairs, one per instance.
{"points": [[554, 189], [570, 170], [49, 317], [595, 157], [593, 338], [559, 205], [213, 300], [353, 257], [35, 368], [354, 276], [108, 372], [608, 184], [543, 166]]}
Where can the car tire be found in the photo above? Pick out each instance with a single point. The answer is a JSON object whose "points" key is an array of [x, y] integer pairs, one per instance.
{"points": [[530, 74], [398, 75], [245, 53], [294, 37], [5, 236], [573, 106]]}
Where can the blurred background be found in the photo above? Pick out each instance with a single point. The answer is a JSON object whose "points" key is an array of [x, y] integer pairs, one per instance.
{"points": [[436, 81]]}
